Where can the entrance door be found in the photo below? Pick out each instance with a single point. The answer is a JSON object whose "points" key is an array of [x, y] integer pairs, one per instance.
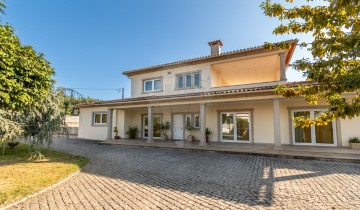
{"points": [[178, 126], [235, 126], [157, 126]]}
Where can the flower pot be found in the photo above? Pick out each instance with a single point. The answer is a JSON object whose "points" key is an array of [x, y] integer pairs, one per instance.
{"points": [[189, 138], [164, 137], [116, 137], [354, 145]]}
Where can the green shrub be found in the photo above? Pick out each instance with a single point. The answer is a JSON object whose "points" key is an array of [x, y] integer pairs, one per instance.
{"points": [[354, 139], [132, 131]]}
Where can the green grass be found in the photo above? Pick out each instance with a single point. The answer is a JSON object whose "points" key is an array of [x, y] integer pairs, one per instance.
{"points": [[20, 177]]}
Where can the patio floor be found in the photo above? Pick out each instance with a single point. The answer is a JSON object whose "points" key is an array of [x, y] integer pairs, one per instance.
{"points": [[343, 154]]}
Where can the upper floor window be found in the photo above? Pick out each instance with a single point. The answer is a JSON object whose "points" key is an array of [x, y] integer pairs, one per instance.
{"points": [[188, 80], [152, 85], [100, 118]]}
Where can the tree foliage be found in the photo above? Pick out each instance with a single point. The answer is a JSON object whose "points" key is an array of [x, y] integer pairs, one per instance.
{"points": [[9, 128], [70, 98], [334, 71], [42, 121], [25, 75]]}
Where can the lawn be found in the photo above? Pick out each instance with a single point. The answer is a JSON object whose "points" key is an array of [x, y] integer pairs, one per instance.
{"points": [[20, 177]]}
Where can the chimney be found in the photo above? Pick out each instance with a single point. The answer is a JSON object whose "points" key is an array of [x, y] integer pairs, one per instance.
{"points": [[215, 47]]}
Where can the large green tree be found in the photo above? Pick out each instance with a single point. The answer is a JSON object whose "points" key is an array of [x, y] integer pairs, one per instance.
{"points": [[25, 75], [334, 70]]}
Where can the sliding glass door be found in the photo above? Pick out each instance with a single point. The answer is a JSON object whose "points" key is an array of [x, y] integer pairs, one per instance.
{"points": [[314, 135], [235, 126], [157, 124]]}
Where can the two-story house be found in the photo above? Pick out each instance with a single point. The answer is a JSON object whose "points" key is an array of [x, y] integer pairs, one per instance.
{"points": [[229, 93]]}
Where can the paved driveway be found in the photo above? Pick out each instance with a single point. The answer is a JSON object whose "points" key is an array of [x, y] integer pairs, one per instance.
{"points": [[120, 177]]}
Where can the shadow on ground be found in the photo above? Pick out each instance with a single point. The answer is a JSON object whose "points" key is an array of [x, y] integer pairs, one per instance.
{"points": [[250, 180]]}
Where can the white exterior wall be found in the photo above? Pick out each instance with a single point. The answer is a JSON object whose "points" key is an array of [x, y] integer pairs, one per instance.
{"points": [[169, 80], [120, 122], [263, 125], [86, 129], [349, 128]]}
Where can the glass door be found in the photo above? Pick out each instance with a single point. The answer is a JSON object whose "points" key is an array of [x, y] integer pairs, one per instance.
{"points": [[235, 127], [227, 126], [314, 135], [242, 127], [157, 126]]}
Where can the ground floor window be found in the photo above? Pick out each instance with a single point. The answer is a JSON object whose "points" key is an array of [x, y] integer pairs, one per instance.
{"points": [[235, 126], [156, 124], [192, 119], [315, 135], [99, 118]]}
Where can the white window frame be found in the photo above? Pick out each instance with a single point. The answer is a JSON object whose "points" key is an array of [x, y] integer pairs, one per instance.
{"points": [[101, 118], [192, 78], [235, 130], [152, 85], [192, 119], [313, 132], [143, 125]]}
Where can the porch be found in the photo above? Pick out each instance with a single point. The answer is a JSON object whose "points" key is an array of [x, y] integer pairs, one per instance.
{"points": [[342, 154]]}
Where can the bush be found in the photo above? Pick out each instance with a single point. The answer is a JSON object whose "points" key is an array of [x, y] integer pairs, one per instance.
{"points": [[354, 140], [132, 132]]}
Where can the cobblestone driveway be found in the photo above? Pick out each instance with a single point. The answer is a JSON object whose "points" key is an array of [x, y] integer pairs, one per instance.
{"points": [[146, 178]]}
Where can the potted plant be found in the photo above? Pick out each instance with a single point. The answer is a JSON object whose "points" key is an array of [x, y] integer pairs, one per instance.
{"points": [[132, 131], [354, 142], [208, 132], [116, 131], [189, 127], [165, 126]]}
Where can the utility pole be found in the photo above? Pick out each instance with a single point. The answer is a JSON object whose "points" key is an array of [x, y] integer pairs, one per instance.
{"points": [[122, 93]]}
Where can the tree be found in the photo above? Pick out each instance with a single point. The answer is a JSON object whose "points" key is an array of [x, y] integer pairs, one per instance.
{"points": [[8, 128], [25, 75], [335, 67], [70, 98], [42, 121]]}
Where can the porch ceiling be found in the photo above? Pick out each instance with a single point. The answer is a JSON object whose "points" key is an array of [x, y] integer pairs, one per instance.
{"points": [[255, 70]]}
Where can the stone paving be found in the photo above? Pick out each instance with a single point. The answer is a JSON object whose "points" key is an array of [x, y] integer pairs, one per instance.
{"points": [[121, 177]]}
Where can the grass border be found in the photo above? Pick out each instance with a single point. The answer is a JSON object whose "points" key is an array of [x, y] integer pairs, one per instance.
{"points": [[44, 190]]}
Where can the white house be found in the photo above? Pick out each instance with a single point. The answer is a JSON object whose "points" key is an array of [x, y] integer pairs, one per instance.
{"points": [[230, 93]]}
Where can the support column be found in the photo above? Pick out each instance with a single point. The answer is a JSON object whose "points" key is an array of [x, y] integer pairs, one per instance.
{"points": [[282, 67], [202, 125], [109, 124], [277, 130], [150, 125]]}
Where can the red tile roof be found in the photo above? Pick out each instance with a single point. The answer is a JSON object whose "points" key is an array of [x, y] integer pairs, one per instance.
{"points": [[204, 59]]}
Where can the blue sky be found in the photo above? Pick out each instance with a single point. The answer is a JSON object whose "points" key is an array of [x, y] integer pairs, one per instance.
{"points": [[90, 43]]}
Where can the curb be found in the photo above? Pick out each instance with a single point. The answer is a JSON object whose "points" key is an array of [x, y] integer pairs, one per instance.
{"points": [[41, 191], [344, 160]]}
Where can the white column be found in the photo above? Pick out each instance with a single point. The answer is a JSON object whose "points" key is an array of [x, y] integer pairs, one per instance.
{"points": [[150, 125], [282, 67], [202, 125], [277, 130], [109, 124]]}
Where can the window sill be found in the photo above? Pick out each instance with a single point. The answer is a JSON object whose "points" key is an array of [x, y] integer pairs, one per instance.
{"points": [[98, 125], [188, 88], [149, 92]]}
